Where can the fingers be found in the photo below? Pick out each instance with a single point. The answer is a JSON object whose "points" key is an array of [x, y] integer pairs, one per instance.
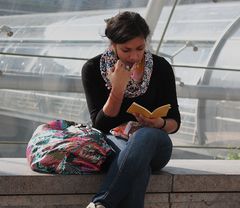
{"points": [[124, 66], [119, 64], [118, 76], [142, 120], [146, 121], [109, 72]]}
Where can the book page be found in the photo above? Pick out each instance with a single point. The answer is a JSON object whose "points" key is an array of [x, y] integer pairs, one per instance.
{"points": [[158, 112], [136, 108], [161, 111]]}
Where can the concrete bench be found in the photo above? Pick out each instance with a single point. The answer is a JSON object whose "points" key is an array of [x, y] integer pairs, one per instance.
{"points": [[181, 184]]}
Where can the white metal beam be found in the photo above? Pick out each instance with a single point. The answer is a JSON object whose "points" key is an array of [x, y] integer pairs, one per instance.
{"points": [[153, 12], [57, 83]]}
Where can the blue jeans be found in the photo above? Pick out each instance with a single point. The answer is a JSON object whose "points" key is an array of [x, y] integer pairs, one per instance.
{"points": [[147, 150]]}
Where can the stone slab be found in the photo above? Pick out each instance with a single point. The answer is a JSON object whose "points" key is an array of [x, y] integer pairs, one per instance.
{"points": [[157, 200], [182, 183], [205, 200], [16, 167], [203, 167], [205, 175], [48, 201], [19, 166], [206, 205], [70, 201], [16, 177], [206, 183]]}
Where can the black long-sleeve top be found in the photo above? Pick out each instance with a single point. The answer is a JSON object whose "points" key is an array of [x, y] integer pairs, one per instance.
{"points": [[161, 91]]}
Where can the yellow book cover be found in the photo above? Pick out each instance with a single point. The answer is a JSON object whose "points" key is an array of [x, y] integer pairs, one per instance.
{"points": [[161, 111]]}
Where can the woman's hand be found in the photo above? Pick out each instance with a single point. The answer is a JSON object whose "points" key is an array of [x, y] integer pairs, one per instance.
{"points": [[119, 76], [168, 125], [150, 122]]}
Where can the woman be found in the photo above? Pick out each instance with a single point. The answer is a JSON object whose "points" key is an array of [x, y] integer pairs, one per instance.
{"points": [[125, 73]]}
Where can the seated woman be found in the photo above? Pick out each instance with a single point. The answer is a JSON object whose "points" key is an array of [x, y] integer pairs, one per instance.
{"points": [[128, 72]]}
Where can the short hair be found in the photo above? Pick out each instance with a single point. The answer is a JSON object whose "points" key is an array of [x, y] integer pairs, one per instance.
{"points": [[126, 26]]}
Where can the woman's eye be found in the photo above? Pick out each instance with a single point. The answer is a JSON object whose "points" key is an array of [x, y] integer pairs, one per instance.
{"points": [[128, 50]]}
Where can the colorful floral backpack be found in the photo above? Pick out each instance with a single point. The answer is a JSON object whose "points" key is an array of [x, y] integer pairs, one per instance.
{"points": [[64, 147]]}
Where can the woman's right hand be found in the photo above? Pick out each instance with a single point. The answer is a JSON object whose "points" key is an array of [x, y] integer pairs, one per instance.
{"points": [[119, 76]]}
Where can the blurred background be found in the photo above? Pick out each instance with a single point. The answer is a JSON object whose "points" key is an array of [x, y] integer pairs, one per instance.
{"points": [[43, 45]]}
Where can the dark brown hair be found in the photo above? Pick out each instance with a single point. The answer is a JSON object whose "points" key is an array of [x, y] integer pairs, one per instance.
{"points": [[125, 26]]}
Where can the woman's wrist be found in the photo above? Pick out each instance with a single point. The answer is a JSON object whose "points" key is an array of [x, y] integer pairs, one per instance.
{"points": [[116, 95], [163, 124], [113, 104]]}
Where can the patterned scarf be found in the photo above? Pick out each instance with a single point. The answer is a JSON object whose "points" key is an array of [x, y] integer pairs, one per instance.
{"points": [[134, 89]]}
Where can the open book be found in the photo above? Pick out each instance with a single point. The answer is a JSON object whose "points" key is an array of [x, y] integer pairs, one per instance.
{"points": [[161, 111]]}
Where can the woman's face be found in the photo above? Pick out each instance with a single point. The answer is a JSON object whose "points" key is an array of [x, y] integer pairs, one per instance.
{"points": [[132, 51]]}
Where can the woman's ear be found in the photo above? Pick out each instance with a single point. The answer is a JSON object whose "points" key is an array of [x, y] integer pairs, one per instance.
{"points": [[114, 47]]}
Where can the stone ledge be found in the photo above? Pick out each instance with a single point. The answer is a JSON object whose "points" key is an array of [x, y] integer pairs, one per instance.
{"points": [[182, 183], [178, 176], [205, 175], [205, 200], [71, 201]]}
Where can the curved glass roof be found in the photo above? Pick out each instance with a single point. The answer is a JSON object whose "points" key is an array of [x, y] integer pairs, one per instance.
{"points": [[41, 62]]}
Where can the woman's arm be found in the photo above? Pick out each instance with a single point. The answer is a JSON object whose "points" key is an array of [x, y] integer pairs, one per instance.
{"points": [[99, 97], [167, 124], [119, 78], [163, 81]]}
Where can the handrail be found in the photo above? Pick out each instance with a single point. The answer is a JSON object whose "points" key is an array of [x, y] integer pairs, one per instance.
{"points": [[57, 83], [174, 146], [206, 67], [166, 26], [85, 59], [38, 82], [214, 54], [42, 56]]}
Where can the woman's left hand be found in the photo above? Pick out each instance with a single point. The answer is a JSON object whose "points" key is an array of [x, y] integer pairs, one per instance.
{"points": [[150, 122]]}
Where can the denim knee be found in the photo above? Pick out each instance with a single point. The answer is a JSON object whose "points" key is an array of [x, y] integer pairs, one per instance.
{"points": [[153, 137]]}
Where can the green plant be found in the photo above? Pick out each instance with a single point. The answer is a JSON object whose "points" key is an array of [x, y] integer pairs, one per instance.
{"points": [[234, 154]]}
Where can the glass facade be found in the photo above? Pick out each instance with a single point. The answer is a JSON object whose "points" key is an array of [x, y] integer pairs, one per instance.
{"points": [[41, 63]]}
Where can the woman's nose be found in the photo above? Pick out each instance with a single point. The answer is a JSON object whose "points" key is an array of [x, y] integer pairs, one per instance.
{"points": [[134, 57]]}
